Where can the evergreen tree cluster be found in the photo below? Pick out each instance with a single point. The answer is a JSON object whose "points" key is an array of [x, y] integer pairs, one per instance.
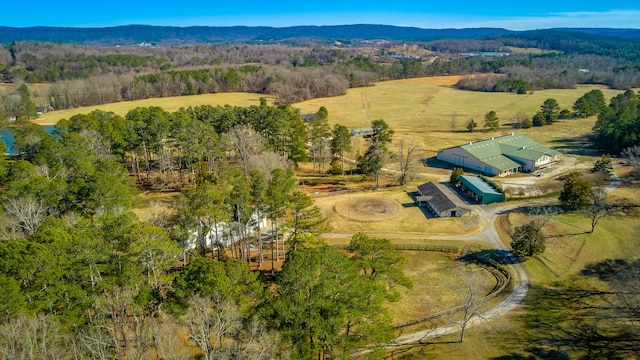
{"points": [[618, 125], [92, 279]]}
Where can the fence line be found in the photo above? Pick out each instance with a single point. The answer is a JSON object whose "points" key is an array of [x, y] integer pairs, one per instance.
{"points": [[503, 279], [502, 275]]}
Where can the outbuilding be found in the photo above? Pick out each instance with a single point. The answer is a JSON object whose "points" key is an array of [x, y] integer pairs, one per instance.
{"points": [[364, 132], [478, 189], [441, 200]]}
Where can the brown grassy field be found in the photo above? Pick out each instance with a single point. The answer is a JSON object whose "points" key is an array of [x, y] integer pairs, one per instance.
{"points": [[169, 104], [570, 247], [429, 111], [433, 113], [569, 250], [433, 275]]}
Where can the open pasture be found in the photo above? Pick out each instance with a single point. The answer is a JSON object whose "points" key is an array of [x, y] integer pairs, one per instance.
{"points": [[168, 103], [433, 113]]}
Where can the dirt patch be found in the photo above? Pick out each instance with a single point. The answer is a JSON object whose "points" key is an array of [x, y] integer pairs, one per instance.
{"points": [[368, 209]]}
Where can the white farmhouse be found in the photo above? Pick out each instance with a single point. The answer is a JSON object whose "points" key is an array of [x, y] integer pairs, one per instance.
{"points": [[225, 234], [501, 156]]}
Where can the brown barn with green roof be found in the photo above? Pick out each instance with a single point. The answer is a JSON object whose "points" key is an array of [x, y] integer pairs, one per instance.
{"points": [[441, 200]]}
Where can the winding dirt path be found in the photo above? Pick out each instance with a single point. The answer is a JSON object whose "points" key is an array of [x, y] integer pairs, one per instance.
{"points": [[488, 235]]}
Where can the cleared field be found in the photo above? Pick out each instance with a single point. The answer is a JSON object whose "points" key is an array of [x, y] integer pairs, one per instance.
{"points": [[432, 112], [429, 111], [392, 212], [169, 104]]}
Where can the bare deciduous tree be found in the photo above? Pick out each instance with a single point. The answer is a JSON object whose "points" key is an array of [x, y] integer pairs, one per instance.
{"points": [[31, 337], [166, 342], [597, 208], [469, 290], [267, 161], [247, 143], [27, 211], [209, 321], [100, 146], [409, 155]]}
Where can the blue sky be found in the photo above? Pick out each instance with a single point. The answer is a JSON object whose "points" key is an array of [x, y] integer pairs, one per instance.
{"points": [[510, 14]]}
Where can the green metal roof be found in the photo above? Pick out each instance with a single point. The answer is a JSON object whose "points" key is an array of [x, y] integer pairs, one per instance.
{"points": [[495, 151], [478, 185], [534, 152]]}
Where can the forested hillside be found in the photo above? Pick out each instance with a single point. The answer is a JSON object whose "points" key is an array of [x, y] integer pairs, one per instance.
{"points": [[82, 75], [170, 35]]}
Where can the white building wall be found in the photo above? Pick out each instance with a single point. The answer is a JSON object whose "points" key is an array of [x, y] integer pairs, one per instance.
{"points": [[546, 160], [459, 157]]}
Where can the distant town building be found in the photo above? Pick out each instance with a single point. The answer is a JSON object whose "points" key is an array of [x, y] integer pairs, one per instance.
{"points": [[501, 156], [485, 54], [441, 200]]}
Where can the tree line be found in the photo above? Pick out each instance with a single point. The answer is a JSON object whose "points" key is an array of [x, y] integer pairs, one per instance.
{"points": [[84, 75]]}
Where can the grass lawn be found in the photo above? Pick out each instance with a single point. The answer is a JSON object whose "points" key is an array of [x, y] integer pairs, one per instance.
{"points": [[519, 335]]}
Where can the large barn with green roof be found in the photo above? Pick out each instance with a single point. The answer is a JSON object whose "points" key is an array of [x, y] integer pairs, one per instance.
{"points": [[501, 156]]}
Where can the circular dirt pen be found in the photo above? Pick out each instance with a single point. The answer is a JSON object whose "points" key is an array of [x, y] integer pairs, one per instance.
{"points": [[367, 209]]}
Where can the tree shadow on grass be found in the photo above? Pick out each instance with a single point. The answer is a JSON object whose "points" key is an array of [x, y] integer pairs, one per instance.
{"points": [[575, 146], [612, 269], [585, 319], [497, 256], [539, 210], [535, 353]]}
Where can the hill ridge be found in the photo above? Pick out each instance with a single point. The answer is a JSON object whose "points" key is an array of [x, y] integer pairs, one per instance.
{"points": [[172, 35]]}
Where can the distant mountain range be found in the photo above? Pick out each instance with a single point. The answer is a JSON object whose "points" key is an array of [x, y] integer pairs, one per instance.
{"points": [[170, 35]]}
